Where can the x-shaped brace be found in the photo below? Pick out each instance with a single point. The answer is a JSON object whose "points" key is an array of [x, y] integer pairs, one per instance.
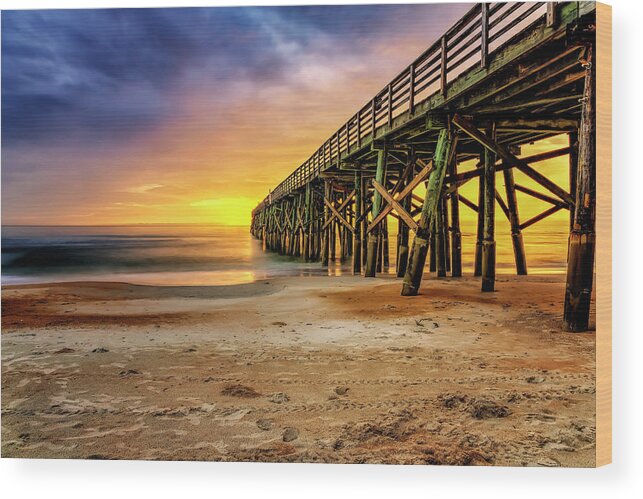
{"points": [[336, 211], [394, 203]]}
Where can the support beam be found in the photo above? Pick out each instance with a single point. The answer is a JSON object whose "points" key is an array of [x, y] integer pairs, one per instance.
{"points": [[456, 234], [407, 191], [373, 237], [541, 196], [440, 241], [477, 264], [433, 259], [461, 178], [467, 202], [334, 240], [337, 212], [488, 241], [307, 219], [385, 246], [403, 232], [503, 206], [368, 203], [507, 156], [582, 238], [514, 221], [402, 213], [540, 216], [417, 258], [518, 105], [325, 249], [445, 228], [573, 167], [357, 232]]}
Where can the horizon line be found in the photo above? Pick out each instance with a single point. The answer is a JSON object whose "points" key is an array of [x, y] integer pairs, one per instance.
{"points": [[123, 224]]}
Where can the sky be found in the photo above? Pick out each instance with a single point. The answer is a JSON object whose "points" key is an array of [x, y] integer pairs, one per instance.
{"points": [[185, 115]]}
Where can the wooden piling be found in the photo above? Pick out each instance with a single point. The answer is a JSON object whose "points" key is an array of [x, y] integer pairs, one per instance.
{"points": [[312, 227], [477, 265], [440, 241], [433, 260], [456, 234], [573, 168], [349, 233], [325, 250], [488, 242], [380, 254], [365, 235], [403, 230], [417, 257], [333, 231], [306, 223], [445, 230], [357, 225], [514, 220], [385, 246], [582, 238], [373, 238], [319, 213]]}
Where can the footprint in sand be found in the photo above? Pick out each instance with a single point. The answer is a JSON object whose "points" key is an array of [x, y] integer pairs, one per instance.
{"points": [[290, 434], [241, 391], [265, 424], [279, 398]]}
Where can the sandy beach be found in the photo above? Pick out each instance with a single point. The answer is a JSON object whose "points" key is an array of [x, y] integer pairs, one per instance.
{"points": [[301, 369]]}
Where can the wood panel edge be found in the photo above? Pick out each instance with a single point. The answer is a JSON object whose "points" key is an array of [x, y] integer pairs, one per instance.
{"points": [[603, 234]]}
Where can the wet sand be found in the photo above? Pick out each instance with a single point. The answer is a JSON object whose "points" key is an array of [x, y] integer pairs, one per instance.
{"points": [[311, 369]]}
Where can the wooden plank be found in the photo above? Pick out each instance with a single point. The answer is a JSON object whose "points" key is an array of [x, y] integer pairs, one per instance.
{"points": [[411, 88], [443, 66], [551, 13], [484, 45], [511, 87], [511, 106], [603, 234]]}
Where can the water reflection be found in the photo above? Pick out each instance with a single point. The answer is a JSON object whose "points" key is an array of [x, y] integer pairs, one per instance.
{"points": [[207, 255]]}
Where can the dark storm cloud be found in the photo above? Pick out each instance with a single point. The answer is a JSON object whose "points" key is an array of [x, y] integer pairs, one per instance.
{"points": [[106, 74], [111, 71]]}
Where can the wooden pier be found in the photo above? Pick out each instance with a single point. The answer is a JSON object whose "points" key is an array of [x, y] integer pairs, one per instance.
{"points": [[505, 75]]}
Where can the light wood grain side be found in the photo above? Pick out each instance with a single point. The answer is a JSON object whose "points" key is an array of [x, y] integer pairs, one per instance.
{"points": [[603, 234]]}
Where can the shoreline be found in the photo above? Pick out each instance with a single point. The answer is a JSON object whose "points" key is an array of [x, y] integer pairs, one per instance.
{"points": [[312, 369]]}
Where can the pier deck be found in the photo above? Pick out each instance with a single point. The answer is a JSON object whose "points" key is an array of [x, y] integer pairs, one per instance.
{"points": [[505, 75]]}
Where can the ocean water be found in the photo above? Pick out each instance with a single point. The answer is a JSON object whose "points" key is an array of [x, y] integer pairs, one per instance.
{"points": [[199, 255]]}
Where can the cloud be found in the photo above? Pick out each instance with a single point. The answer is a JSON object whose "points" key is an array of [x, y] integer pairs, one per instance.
{"points": [[101, 106], [142, 189], [108, 73]]}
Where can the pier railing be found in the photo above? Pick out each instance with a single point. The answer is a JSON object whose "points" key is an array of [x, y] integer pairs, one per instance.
{"points": [[482, 30]]}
